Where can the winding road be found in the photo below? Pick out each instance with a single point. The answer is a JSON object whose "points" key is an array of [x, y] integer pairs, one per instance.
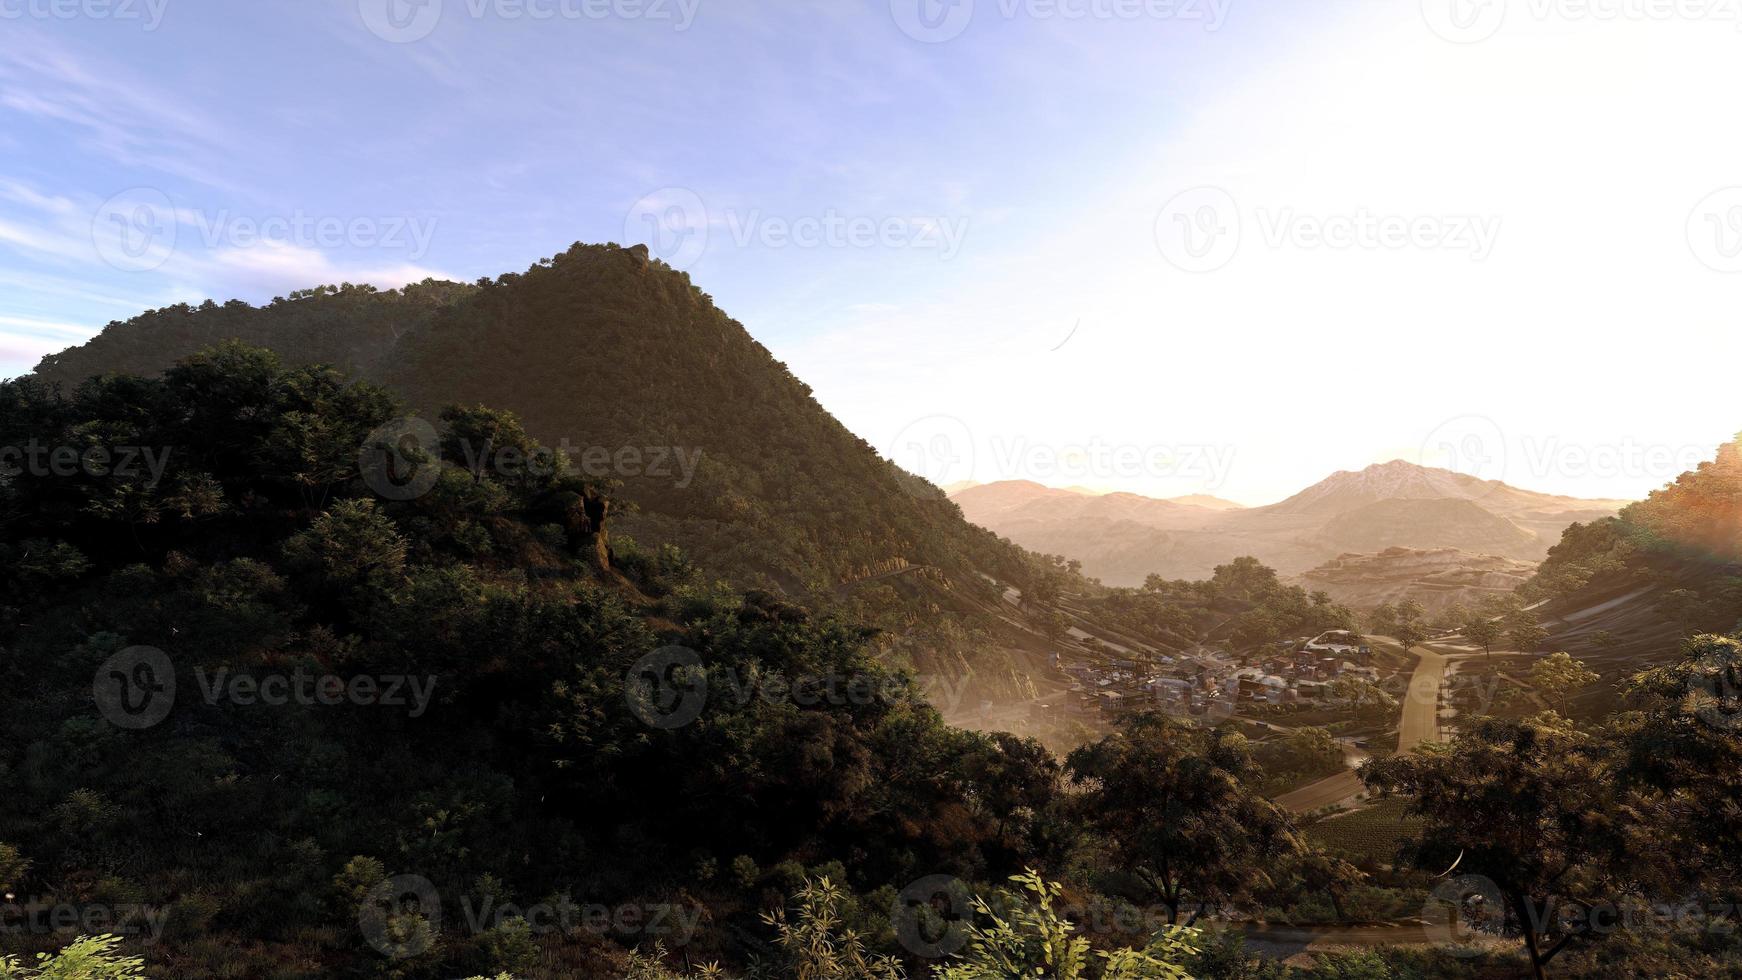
{"points": [[1420, 723]]}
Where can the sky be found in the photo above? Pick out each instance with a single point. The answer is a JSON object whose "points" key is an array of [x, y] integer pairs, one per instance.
{"points": [[1163, 246]]}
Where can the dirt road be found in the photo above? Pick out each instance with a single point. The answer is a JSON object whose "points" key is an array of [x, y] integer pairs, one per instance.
{"points": [[1420, 723]]}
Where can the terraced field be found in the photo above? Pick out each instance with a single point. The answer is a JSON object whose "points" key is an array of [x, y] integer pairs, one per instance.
{"points": [[1371, 833]]}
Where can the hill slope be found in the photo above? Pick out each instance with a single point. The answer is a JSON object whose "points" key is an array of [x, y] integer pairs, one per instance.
{"points": [[1628, 589], [632, 370]]}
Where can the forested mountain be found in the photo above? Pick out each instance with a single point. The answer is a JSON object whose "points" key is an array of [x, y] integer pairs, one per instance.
{"points": [[624, 364], [308, 693]]}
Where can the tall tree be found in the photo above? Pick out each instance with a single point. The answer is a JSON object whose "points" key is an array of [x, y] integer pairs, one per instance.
{"points": [[1177, 806], [1526, 808], [1558, 676]]}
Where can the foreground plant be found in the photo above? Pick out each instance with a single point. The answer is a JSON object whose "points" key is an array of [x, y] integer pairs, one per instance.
{"points": [[89, 958], [1033, 940]]}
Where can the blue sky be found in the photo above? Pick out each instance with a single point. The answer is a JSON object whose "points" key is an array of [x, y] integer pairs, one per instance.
{"points": [[916, 217]]}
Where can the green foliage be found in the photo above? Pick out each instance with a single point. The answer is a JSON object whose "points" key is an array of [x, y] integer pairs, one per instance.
{"points": [[1558, 677], [1177, 808], [527, 762], [814, 944], [89, 958], [1028, 938], [1528, 806]]}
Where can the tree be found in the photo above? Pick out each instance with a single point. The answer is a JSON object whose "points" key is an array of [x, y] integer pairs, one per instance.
{"points": [[484, 441], [1177, 807], [1526, 634], [1323, 873], [1383, 620], [1683, 771], [1483, 632], [1558, 676], [1405, 623], [1524, 810]]}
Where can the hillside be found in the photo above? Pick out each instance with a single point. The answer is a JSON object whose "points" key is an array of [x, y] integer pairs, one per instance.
{"points": [[1123, 538], [1627, 589], [1435, 579], [634, 372], [340, 694]]}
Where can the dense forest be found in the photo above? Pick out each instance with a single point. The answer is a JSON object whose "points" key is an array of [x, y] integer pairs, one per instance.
{"points": [[285, 698]]}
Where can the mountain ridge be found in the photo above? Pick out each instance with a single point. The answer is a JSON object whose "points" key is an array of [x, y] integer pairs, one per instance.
{"points": [[1392, 504]]}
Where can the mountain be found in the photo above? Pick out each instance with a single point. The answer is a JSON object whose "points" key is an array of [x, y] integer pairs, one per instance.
{"points": [[718, 449], [1123, 538], [1436, 579], [302, 686]]}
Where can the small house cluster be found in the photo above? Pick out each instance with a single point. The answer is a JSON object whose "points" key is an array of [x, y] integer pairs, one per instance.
{"points": [[1203, 681]]}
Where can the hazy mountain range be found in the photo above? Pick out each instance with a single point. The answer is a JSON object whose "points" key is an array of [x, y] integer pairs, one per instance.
{"points": [[1122, 538]]}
